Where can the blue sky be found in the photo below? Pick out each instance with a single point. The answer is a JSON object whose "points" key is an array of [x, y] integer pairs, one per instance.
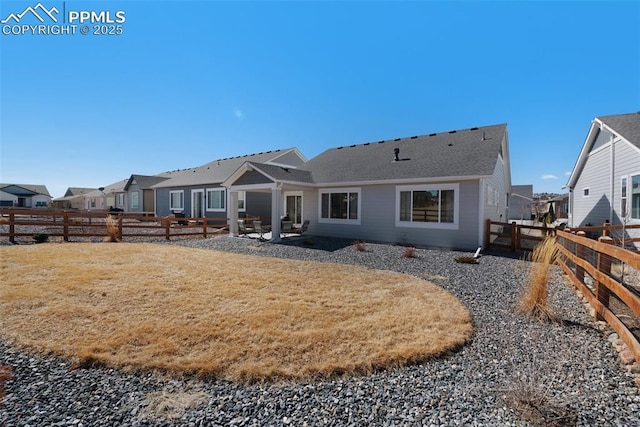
{"points": [[193, 81]]}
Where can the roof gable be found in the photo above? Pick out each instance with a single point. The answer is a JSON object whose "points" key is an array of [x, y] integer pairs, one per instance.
{"points": [[25, 189], [624, 125], [217, 171]]}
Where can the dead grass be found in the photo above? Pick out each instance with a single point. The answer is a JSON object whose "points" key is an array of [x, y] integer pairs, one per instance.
{"points": [[112, 229], [5, 375], [167, 405], [535, 300], [238, 317]]}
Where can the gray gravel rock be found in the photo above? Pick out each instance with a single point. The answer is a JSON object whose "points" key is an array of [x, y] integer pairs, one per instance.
{"points": [[570, 368]]}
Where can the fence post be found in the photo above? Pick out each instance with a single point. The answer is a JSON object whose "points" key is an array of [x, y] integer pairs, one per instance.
{"points": [[167, 228], [604, 266], [12, 227], [119, 226], [204, 227], [514, 236], [580, 255], [65, 227], [487, 234], [605, 229]]}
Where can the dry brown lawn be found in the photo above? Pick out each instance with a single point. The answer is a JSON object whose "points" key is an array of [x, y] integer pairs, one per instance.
{"points": [[237, 317]]}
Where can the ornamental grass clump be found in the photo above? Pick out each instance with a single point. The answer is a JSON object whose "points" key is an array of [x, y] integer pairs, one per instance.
{"points": [[535, 300], [112, 229], [409, 252]]}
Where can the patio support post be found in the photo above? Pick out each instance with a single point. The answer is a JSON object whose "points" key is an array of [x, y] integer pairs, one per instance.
{"points": [[233, 213], [276, 209]]}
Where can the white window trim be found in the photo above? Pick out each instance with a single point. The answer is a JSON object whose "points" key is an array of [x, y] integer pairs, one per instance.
{"points": [[120, 198], [632, 220], [242, 195], [171, 208], [219, 190], [433, 225], [356, 221], [131, 200], [588, 190]]}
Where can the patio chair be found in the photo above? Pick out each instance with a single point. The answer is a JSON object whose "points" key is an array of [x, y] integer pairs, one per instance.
{"points": [[243, 230], [260, 229], [303, 228]]}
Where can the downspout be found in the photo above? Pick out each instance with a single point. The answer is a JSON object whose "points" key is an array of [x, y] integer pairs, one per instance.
{"points": [[481, 218], [611, 183]]}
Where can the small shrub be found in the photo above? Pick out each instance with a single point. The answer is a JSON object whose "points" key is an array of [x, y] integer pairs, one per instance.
{"points": [[5, 375], [360, 245], [535, 301], [409, 252], [40, 238], [467, 260], [112, 229]]}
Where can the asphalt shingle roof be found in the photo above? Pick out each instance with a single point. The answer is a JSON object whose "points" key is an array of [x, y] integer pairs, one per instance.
{"points": [[468, 152], [280, 173], [216, 171], [627, 125], [38, 189]]}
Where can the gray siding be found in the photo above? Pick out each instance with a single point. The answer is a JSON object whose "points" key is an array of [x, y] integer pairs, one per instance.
{"points": [[595, 208], [520, 208], [627, 163], [496, 209], [252, 177], [378, 213], [602, 139], [290, 159]]}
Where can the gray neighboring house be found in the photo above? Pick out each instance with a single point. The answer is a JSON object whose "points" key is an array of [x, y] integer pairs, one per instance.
{"points": [[433, 190], [198, 192], [24, 196], [521, 203], [605, 182], [138, 195]]}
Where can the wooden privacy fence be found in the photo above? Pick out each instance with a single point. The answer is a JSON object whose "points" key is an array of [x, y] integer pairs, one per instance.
{"points": [[26, 223], [609, 278]]}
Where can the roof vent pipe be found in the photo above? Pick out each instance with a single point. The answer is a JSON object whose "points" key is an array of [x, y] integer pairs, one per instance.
{"points": [[484, 138], [396, 152]]}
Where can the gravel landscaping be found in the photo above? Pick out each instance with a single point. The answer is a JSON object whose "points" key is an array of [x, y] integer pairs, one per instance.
{"points": [[569, 372]]}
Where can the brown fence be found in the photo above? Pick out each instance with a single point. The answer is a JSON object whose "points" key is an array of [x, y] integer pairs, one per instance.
{"points": [[609, 278], [19, 223], [513, 236], [517, 237]]}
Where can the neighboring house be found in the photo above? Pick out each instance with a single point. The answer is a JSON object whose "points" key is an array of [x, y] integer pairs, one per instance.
{"points": [[198, 193], [104, 198], [433, 190], [24, 196], [605, 182], [73, 198], [138, 194], [521, 203]]}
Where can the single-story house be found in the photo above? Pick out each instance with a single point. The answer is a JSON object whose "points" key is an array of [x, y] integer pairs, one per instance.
{"points": [[24, 196], [138, 194], [605, 182], [104, 198], [198, 192], [73, 198], [521, 203], [433, 190]]}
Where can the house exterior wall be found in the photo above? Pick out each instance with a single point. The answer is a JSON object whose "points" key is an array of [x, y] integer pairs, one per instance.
{"points": [[495, 195], [7, 199], [289, 159], [593, 208], [627, 164], [257, 204], [378, 205], [519, 207]]}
